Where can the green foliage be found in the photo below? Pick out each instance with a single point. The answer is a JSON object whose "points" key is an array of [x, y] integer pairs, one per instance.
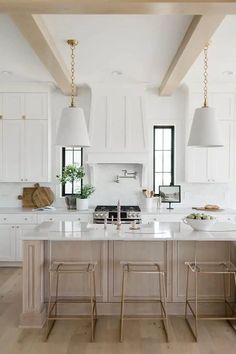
{"points": [[71, 173], [86, 191]]}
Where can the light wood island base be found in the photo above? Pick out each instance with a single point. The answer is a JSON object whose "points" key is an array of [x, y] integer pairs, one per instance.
{"points": [[170, 254]]}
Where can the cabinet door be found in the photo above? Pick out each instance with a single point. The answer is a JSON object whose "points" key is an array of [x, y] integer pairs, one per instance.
{"points": [[219, 159], [12, 150], [35, 151], [1, 152], [196, 165], [7, 243], [36, 105], [13, 105]]}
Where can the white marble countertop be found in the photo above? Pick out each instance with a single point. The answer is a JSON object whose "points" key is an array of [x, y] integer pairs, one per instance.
{"points": [[162, 211], [170, 231]]}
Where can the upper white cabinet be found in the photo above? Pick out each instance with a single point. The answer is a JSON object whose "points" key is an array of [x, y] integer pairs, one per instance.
{"points": [[24, 105], [213, 165], [24, 137]]}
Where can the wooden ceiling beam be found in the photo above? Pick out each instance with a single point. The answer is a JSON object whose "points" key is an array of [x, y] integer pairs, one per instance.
{"points": [[197, 36], [36, 33], [190, 7]]}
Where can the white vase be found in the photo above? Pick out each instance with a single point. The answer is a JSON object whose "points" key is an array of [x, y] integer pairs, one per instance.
{"points": [[149, 203], [81, 204]]}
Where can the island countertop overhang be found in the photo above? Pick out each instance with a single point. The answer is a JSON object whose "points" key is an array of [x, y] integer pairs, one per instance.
{"points": [[156, 231]]}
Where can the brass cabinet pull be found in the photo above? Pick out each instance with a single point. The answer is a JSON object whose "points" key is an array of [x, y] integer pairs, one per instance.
{"points": [[1, 116], [24, 117]]}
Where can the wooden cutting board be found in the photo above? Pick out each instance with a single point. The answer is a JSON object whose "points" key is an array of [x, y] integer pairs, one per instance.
{"points": [[206, 209], [26, 197], [36, 197], [42, 197]]}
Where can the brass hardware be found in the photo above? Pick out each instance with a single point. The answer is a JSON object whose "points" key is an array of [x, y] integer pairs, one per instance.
{"points": [[144, 268], [1, 116], [72, 43], [71, 268], [24, 117]]}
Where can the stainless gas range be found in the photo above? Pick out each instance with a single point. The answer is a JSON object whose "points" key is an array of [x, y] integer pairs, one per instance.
{"points": [[128, 214]]}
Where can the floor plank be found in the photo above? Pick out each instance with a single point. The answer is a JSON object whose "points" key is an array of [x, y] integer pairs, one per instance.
{"points": [[73, 337]]}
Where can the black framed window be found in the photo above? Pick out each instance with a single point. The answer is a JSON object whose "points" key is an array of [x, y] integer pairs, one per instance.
{"points": [[70, 156], [163, 156]]}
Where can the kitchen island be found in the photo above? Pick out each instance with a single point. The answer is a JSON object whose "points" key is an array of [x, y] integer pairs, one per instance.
{"points": [[170, 243]]}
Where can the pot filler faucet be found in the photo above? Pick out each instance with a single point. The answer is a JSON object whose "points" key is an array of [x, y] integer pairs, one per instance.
{"points": [[126, 174]]}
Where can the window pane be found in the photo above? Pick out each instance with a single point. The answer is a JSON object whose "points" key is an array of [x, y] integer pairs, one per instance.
{"points": [[167, 161], [163, 152], [68, 157], [167, 178], [158, 181], [158, 139], [158, 161], [71, 156], [167, 139]]}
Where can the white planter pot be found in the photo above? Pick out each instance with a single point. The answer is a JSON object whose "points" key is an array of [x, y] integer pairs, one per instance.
{"points": [[149, 203], [81, 204]]}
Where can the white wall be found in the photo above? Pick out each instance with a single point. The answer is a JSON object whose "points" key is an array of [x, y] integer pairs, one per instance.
{"points": [[159, 110]]}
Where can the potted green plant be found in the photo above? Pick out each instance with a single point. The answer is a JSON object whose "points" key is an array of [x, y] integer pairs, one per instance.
{"points": [[82, 197], [71, 174]]}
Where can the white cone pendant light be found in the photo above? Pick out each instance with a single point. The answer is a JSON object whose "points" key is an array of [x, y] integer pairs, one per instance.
{"points": [[72, 130], [205, 131]]}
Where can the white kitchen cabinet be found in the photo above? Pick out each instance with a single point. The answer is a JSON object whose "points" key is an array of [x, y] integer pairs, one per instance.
{"points": [[7, 243], [35, 156], [13, 150], [13, 105], [29, 105], [36, 105], [24, 137], [83, 217], [1, 152], [25, 150]]}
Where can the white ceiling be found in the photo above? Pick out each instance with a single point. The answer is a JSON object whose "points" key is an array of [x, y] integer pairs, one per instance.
{"points": [[140, 46], [17, 56], [222, 55]]}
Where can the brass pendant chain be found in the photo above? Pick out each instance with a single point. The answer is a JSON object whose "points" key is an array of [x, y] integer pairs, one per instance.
{"points": [[72, 43], [205, 80]]}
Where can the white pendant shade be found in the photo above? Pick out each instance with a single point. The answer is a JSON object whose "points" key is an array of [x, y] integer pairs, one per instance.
{"points": [[72, 130], [205, 131]]}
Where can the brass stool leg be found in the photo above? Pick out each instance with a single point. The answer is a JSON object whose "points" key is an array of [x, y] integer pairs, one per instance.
{"points": [[122, 305], [91, 304], [49, 326], [165, 320], [94, 296], [186, 299], [196, 305]]}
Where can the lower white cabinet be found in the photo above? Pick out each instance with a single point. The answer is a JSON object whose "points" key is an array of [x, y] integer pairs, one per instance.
{"points": [[7, 243], [11, 241]]}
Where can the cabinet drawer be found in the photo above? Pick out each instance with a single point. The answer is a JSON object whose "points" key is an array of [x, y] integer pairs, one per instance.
{"points": [[65, 217], [18, 219]]}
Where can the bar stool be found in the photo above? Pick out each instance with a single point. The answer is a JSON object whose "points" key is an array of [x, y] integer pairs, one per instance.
{"points": [[197, 269], [58, 269], [144, 268]]}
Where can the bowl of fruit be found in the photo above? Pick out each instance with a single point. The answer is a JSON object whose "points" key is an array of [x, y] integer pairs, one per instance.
{"points": [[199, 222]]}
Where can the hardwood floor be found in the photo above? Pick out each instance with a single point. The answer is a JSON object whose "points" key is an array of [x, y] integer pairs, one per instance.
{"points": [[141, 337]]}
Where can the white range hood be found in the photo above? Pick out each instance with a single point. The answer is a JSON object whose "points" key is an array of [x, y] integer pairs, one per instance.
{"points": [[117, 126]]}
